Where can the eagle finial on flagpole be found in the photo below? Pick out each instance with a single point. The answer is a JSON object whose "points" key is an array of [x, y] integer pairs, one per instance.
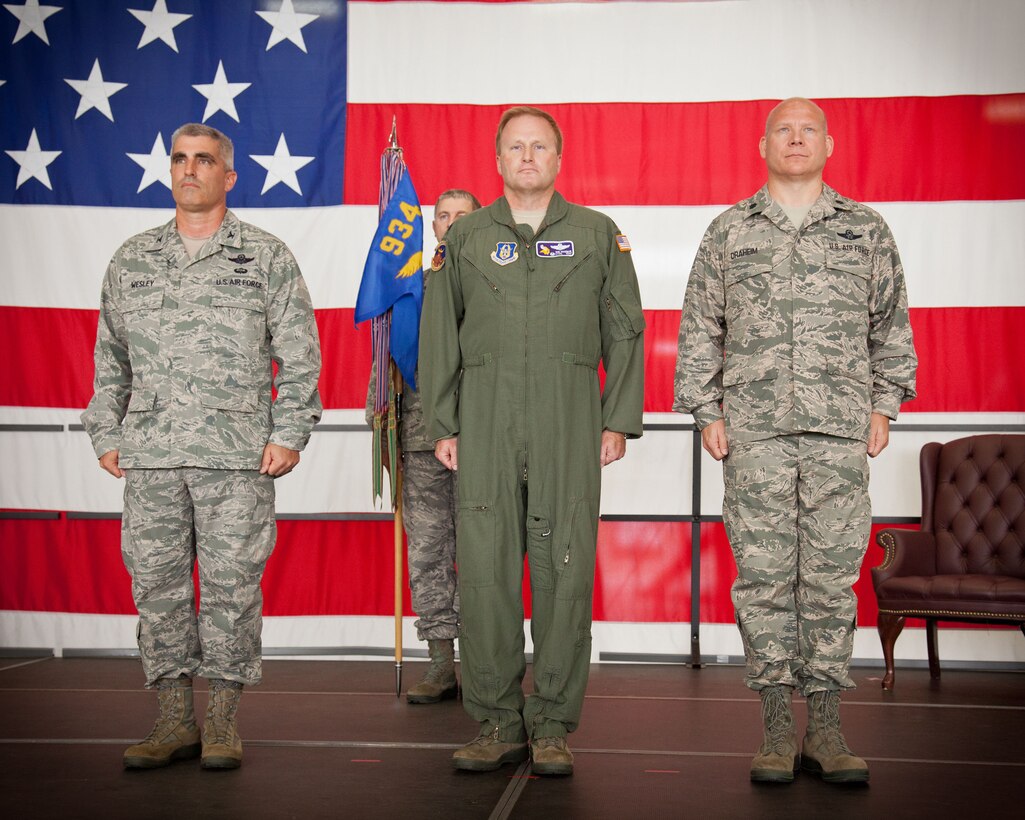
{"points": [[393, 140]]}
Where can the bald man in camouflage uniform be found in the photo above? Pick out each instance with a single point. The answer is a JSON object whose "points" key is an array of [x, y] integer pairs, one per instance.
{"points": [[795, 353], [192, 315], [429, 511]]}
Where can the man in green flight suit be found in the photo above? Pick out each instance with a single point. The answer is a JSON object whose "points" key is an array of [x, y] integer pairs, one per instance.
{"points": [[532, 295]]}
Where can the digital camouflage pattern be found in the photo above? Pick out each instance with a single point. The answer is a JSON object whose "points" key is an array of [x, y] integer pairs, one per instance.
{"points": [[231, 513], [813, 323], [795, 335], [429, 514], [184, 350], [797, 634]]}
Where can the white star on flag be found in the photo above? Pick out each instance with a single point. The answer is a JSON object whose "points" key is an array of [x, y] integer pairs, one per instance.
{"points": [[287, 25], [220, 94], [95, 92], [156, 165], [31, 17], [33, 162], [281, 167], [159, 24]]}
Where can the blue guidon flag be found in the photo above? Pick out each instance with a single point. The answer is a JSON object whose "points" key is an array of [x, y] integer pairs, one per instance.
{"points": [[393, 276]]}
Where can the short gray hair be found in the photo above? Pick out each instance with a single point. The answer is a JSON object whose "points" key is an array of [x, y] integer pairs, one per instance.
{"points": [[224, 143], [457, 193]]}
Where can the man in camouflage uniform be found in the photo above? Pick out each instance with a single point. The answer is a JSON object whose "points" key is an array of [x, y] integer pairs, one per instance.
{"points": [[192, 316], [429, 510], [533, 294], [795, 353]]}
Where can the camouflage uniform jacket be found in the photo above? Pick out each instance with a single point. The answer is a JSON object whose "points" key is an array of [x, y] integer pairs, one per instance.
{"points": [[184, 351], [787, 331], [412, 431]]}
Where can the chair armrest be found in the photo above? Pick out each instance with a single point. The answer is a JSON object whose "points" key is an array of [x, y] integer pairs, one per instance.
{"points": [[907, 552]]}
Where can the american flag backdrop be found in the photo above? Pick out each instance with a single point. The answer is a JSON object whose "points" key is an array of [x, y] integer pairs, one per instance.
{"points": [[662, 105]]}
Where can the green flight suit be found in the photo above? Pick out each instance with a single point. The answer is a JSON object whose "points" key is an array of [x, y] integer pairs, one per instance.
{"points": [[513, 330]]}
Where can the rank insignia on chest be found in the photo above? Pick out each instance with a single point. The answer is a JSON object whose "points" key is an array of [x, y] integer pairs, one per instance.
{"points": [[504, 253], [623, 243], [550, 250], [440, 254]]}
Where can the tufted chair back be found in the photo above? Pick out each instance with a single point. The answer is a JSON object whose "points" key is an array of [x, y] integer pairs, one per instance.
{"points": [[973, 501]]}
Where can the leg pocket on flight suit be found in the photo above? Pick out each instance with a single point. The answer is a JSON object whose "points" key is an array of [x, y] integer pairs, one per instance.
{"points": [[574, 553], [539, 550], [476, 530]]}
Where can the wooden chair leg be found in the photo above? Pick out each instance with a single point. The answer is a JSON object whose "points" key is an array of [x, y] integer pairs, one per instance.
{"points": [[930, 645], [889, 626]]}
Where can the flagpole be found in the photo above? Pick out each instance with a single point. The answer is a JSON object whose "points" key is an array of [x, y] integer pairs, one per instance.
{"points": [[399, 556], [393, 148]]}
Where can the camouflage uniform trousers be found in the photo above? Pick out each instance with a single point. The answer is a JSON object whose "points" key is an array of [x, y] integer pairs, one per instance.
{"points": [[428, 499], [798, 516], [223, 518]]}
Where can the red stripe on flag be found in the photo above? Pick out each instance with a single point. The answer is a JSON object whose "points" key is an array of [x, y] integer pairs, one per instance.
{"points": [[642, 575], [968, 359], [707, 153]]}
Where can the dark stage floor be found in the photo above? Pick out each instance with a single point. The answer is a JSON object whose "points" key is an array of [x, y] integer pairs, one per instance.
{"points": [[330, 739]]}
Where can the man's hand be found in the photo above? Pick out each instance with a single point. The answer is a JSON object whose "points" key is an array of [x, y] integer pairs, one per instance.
{"points": [[108, 461], [278, 460], [446, 451], [713, 439], [878, 434], [613, 447]]}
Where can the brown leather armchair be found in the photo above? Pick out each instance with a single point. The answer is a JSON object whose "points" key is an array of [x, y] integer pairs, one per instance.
{"points": [[967, 563]]}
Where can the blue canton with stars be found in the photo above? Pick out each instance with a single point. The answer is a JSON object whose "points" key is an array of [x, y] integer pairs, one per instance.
{"points": [[91, 90]]}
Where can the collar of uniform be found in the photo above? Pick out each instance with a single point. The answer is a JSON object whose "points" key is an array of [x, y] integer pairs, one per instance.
{"points": [[163, 236], [827, 204], [837, 200], [557, 209], [229, 235], [756, 204]]}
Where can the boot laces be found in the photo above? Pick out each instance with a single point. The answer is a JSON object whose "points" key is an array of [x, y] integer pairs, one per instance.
{"points": [[827, 719], [486, 737], [777, 720], [550, 742], [171, 714], [220, 715], [437, 672]]}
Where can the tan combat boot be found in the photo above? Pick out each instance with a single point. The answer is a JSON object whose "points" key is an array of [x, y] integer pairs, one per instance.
{"points": [[551, 756], [440, 681], [222, 746], [175, 735], [777, 759], [825, 751], [486, 752]]}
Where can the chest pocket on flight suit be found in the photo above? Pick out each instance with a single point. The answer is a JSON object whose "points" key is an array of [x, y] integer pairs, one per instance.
{"points": [[573, 323]]}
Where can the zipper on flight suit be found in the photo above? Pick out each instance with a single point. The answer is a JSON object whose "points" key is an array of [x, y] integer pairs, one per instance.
{"points": [[571, 271]]}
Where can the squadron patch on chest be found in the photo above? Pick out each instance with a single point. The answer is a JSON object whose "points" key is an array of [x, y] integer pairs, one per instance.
{"points": [[550, 250], [623, 243], [505, 253]]}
